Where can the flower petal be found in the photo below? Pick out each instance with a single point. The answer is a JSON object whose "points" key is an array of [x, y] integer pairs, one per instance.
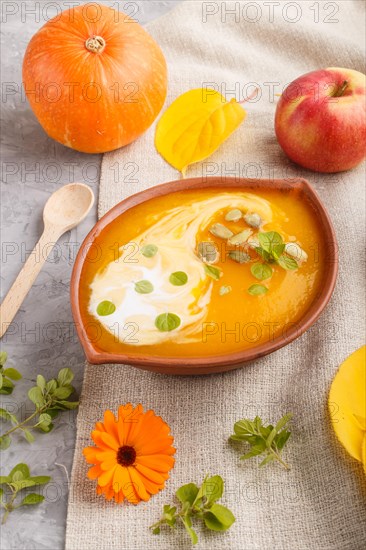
{"points": [[150, 486], [90, 454], [158, 462], [109, 440], [138, 484], [97, 438], [156, 477], [122, 482], [110, 424], [106, 477], [129, 421], [108, 464], [94, 472]]}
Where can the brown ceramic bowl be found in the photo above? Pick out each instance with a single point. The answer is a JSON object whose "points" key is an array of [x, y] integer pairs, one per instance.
{"points": [[219, 363]]}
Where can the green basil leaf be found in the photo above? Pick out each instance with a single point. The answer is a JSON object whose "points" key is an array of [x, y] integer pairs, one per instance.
{"points": [[213, 272], [225, 290], [4, 442], [281, 439], [45, 427], [218, 518], [255, 450], [214, 489], [51, 386], [287, 263], [144, 287], [65, 377], [69, 404], [12, 373], [3, 358], [63, 392], [261, 271], [187, 493], [265, 255], [28, 436], [268, 459], [21, 469], [6, 391], [40, 480], [283, 421], [257, 290], [269, 240], [4, 414], [106, 308], [7, 384], [1, 380], [178, 278], [278, 250], [4, 480], [36, 396], [149, 250], [190, 531], [32, 498], [166, 322], [44, 418], [22, 484], [41, 382], [156, 531]]}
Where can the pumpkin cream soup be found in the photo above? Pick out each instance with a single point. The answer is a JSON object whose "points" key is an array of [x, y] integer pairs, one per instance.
{"points": [[202, 272]]}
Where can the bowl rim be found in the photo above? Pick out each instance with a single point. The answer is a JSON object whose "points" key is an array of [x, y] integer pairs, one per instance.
{"points": [[213, 363]]}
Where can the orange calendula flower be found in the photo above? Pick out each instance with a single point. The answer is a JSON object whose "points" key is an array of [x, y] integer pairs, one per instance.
{"points": [[133, 454]]}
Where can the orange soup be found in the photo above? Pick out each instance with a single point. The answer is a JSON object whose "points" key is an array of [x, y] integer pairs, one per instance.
{"points": [[202, 272]]}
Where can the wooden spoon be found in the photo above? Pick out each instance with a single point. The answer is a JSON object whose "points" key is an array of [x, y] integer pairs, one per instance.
{"points": [[65, 209]]}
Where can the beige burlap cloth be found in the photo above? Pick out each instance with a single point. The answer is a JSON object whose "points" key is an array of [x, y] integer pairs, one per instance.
{"points": [[320, 503]]}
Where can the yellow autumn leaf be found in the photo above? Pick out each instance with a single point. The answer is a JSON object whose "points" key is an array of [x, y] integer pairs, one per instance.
{"points": [[195, 125], [363, 453], [347, 404]]}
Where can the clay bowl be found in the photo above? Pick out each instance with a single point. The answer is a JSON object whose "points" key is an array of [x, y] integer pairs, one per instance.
{"points": [[219, 363]]}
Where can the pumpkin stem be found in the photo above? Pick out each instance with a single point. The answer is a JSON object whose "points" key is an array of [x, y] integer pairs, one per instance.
{"points": [[95, 44]]}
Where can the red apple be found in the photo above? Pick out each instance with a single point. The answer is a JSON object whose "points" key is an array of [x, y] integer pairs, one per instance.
{"points": [[321, 120]]}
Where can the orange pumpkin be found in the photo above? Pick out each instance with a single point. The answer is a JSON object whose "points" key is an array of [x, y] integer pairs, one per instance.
{"points": [[95, 79]]}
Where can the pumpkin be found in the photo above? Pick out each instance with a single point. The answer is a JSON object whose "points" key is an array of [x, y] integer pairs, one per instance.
{"points": [[95, 79]]}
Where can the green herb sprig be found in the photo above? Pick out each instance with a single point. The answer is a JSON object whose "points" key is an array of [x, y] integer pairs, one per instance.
{"points": [[19, 479], [49, 398], [272, 249], [7, 375], [268, 440], [197, 503]]}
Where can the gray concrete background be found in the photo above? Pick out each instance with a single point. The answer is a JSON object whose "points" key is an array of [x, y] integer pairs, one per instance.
{"points": [[42, 338]]}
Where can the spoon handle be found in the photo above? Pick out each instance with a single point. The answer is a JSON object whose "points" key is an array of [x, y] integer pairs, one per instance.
{"points": [[24, 281]]}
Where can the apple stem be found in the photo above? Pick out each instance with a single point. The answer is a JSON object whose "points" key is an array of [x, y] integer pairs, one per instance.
{"points": [[249, 97], [340, 91]]}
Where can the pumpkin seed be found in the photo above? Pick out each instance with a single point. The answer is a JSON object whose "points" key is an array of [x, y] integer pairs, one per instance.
{"points": [[219, 230], [234, 215], [225, 290], [239, 256], [253, 243], [295, 251], [253, 219], [207, 252], [241, 237]]}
